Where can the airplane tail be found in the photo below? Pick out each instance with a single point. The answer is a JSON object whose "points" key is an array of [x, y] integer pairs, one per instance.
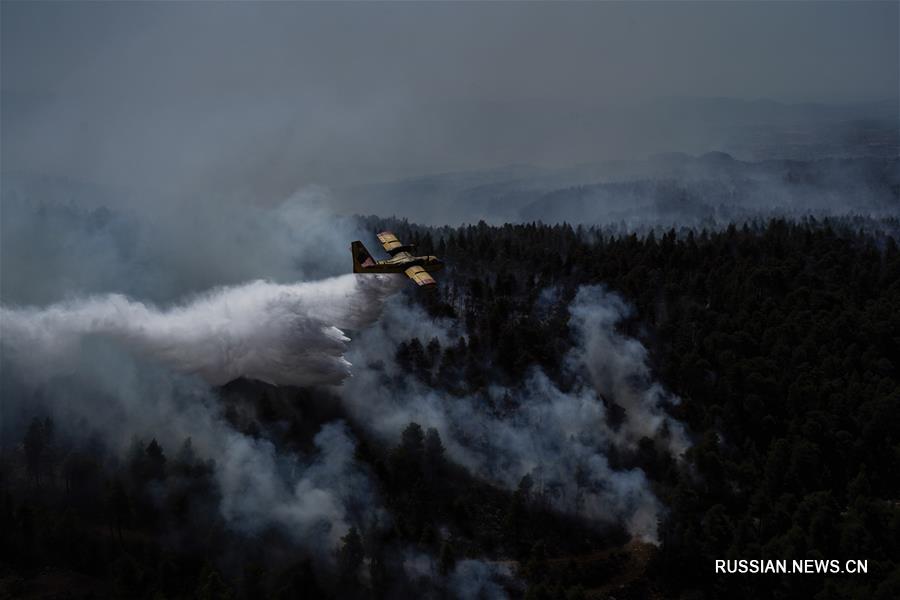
{"points": [[361, 257]]}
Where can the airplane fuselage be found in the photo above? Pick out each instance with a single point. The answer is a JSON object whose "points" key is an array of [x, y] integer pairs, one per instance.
{"points": [[399, 264]]}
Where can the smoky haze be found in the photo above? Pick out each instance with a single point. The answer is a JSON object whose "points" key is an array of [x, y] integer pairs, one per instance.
{"points": [[178, 183], [260, 99]]}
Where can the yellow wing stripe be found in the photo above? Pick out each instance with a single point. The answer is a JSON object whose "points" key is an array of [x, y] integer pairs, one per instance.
{"points": [[420, 276], [389, 241]]}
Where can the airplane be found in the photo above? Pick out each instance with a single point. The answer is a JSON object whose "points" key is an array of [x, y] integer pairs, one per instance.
{"points": [[416, 268]]}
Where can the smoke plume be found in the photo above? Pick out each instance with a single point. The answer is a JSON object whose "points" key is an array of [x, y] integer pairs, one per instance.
{"points": [[561, 439], [86, 360]]}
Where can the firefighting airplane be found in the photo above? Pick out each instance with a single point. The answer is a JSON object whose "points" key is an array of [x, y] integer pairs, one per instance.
{"points": [[416, 268]]}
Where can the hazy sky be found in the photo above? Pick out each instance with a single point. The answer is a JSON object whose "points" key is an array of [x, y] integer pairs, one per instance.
{"points": [[284, 94]]}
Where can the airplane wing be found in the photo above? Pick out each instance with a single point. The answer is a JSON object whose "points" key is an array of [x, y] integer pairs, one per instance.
{"points": [[420, 276], [392, 245]]}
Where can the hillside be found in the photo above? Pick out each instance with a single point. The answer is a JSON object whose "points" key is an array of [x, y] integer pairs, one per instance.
{"points": [[780, 340]]}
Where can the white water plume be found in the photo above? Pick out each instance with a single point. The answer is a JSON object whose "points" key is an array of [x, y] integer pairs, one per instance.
{"points": [[281, 334]]}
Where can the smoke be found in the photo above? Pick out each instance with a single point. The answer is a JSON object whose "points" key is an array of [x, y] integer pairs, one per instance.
{"points": [[274, 96], [119, 308], [87, 361], [856, 177], [477, 579], [470, 578], [63, 239], [561, 439], [617, 368], [121, 365], [105, 324], [312, 498], [315, 508]]}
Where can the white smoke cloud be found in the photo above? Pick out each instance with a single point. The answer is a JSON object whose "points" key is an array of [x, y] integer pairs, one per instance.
{"points": [[87, 360], [63, 239], [312, 498], [314, 507], [617, 367], [559, 438]]}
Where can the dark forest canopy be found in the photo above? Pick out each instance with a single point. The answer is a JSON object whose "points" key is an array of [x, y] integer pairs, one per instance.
{"points": [[781, 338]]}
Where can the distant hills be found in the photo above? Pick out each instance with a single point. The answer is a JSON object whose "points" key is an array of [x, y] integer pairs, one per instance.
{"points": [[665, 188], [706, 158]]}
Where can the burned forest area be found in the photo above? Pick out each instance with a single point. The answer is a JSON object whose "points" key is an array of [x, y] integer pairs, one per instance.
{"points": [[779, 338]]}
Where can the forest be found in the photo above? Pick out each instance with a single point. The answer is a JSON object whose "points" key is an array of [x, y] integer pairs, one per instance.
{"points": [[781, 338]]}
